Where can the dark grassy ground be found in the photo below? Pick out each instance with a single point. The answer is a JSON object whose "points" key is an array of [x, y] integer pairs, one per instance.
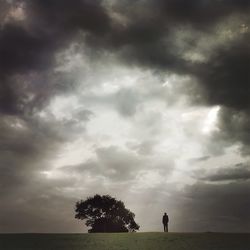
{"points": [[135, 241]]}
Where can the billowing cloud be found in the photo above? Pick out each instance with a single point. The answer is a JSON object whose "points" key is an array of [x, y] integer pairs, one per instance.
{"points": [[238, 172], [145, 100]]}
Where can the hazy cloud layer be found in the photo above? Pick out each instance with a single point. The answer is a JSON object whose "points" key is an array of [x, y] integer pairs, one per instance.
{"points": [[210, 206]]}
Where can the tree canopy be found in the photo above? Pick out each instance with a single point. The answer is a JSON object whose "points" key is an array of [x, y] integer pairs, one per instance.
{"points": [[105, 214]]}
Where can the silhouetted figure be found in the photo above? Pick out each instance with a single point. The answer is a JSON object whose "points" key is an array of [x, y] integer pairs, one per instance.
{"points": [[165, 221]]}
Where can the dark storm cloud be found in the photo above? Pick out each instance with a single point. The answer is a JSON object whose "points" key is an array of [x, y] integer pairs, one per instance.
{"points": [[20, 53], [28, 81], [64, 16], [30, 46], [198, 13], [226, 77], [223, 79], [145, 38], [234, 128], [236, 173], [142, 33], [145, 35]]}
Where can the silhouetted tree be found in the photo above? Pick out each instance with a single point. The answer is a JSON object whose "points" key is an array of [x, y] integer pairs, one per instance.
{"points": [[105, 214]]}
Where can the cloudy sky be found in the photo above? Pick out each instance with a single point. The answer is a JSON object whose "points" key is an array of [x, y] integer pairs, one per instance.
{"points": [[145, 100]]}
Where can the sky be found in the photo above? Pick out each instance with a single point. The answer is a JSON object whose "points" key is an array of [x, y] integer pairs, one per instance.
{"points": [[145, 100]]}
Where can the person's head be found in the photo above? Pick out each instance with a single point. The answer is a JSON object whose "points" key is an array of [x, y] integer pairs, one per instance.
{"points": [[165, 213]]}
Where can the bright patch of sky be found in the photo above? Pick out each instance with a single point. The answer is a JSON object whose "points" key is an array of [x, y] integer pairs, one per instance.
{"points": [[139, 112]]}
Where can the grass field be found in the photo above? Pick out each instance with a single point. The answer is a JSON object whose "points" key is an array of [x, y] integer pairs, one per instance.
{"points": [[123, 241]]}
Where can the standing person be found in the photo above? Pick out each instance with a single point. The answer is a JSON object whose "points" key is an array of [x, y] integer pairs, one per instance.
{"points": [[165, 221]]}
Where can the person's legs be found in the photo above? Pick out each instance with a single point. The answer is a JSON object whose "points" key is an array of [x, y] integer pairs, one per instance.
{"points": [[167, 228]]}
